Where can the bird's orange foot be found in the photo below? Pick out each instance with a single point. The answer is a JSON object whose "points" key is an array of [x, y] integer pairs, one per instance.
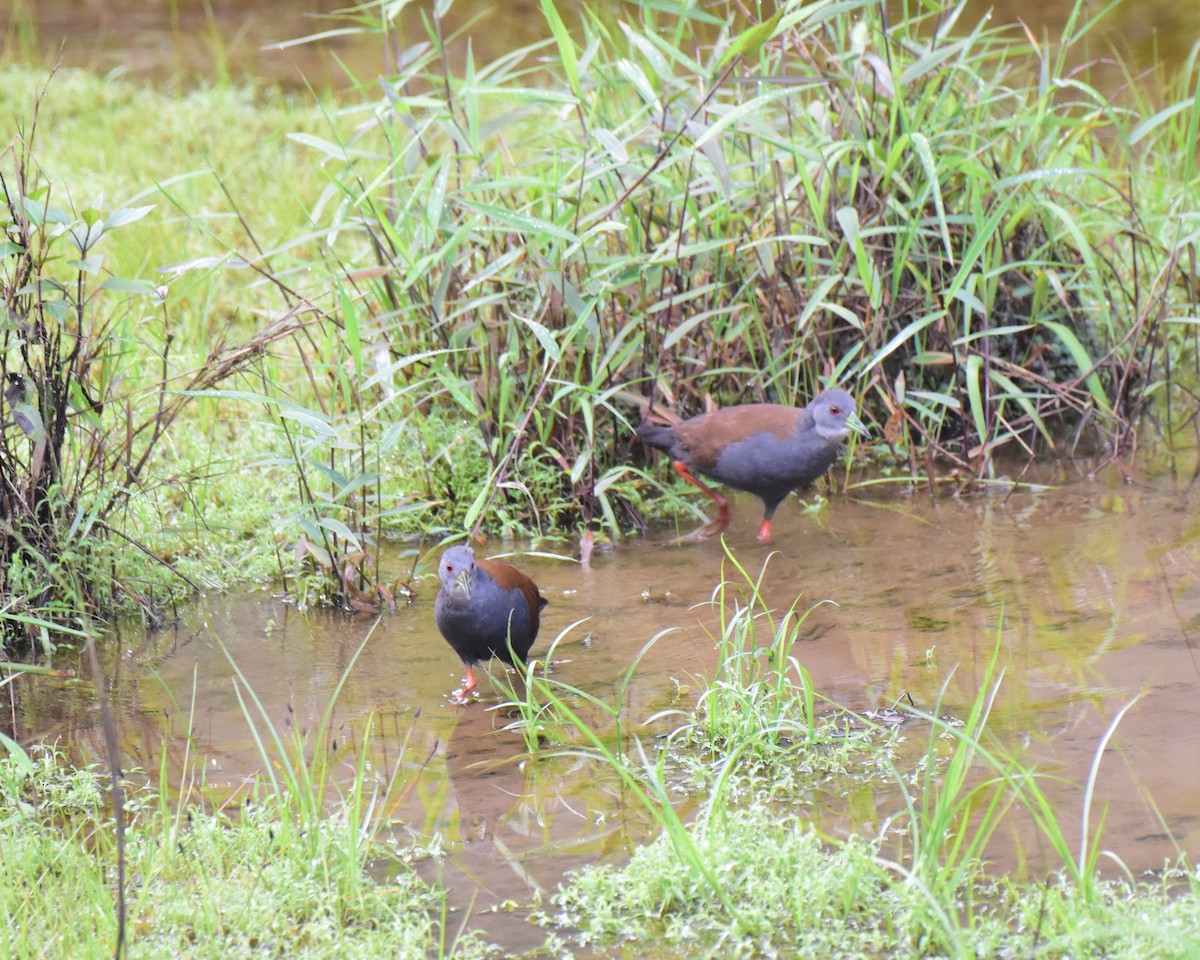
{"points": [[463, 694], [764, 532]]}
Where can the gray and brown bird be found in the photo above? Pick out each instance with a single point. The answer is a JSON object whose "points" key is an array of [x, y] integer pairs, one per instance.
{"points": [[485, 609], [767, 449]]}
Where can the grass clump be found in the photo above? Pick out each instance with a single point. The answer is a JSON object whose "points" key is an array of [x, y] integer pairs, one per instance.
{"points": [[752, 876], [91, 392], [759, 732], [799, 895], [103, 459], [691, 203], [231, 882], [241, 886]]}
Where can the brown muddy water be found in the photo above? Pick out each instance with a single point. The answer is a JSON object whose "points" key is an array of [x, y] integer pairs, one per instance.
{"points": [[253, 38], [1094, 589]]}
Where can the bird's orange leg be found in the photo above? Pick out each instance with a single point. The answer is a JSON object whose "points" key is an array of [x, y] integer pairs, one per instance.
{"points": [[462, 695], [764, 532], [713, 527]]}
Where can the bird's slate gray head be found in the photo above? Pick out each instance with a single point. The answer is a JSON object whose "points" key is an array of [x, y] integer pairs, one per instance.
{"points": [[456, 569], [834, 414]]}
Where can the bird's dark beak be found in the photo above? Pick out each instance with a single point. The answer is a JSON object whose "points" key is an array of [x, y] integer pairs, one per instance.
{"points": [[858, 426]]}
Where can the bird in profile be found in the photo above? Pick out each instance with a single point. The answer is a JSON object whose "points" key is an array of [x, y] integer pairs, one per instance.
{"points": [[485, 609], [767, 449]]}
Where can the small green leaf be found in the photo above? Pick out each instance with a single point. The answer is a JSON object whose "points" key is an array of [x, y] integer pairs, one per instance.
{"points": [[336, 526], [29, 420], [35, 211], [925, 152], [17, 755], [309, 528], [59, 310], [545, 338], [522, 222], [87, 236], [118, 218], [90, 265], [125, 285], [318, 143], [975, 396], [749, 42]]}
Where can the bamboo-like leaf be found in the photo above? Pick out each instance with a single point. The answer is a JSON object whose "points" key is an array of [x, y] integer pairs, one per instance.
{"points": [[641, 83], [327, 147], [975, 397], [611, 144], [908, 333], [1083, 361], [334, 525], [532, 227], [1014, 393], [14, 752], [338, 478], [750, 41], [368, 479], [925, 152], [711, 150], [983, 236], [437, 199], [392, 367], [847, 218], [544, 337], [316, 422], [350, 326], [684, 329]]}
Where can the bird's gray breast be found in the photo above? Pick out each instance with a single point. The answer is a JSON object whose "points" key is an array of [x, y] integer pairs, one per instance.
{"points": [[766, 461], [486, 615]]}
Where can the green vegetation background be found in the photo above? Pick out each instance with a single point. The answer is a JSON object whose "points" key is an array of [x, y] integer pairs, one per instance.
{"points": [[437, 304]]}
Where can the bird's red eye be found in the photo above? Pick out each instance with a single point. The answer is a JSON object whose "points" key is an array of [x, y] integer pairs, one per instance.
{"points": [[834, 410]]}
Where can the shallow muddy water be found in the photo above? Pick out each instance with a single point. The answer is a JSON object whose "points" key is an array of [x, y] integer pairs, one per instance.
{"points": [[252, 38], [1094, 589]]}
